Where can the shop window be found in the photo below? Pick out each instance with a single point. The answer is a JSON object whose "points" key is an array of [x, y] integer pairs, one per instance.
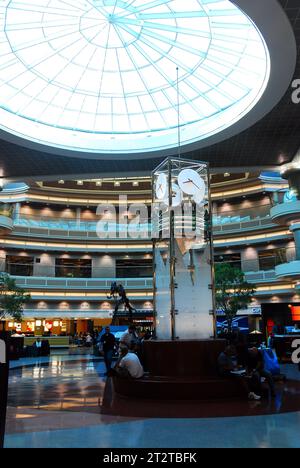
{"points": [[133, 268], [268, 259], [18, 265], [73, 268], [233, 259]]}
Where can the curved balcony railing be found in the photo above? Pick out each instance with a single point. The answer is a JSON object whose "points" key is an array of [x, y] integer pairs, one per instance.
{"points": [[260, 276], [221, 223], [100, 284], [241, 215], [6, 217], [288, 267], [66, 224], [284, 213], [232, 224]]}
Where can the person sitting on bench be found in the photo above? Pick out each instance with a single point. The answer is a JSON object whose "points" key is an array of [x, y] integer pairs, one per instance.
{"points": [[228, 369], [128, 365], [256, 367]]}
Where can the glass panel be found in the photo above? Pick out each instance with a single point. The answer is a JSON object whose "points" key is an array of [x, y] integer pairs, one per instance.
{"points": [[73, 268], [182, 251], [19, 265], [86, 57]]}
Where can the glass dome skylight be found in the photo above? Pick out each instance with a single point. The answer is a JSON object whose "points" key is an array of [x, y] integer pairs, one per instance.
{"points": [[101, 76]]}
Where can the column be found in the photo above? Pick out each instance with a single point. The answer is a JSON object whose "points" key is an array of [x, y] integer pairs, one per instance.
{"points": [[46, 266], [104, 266], [250, 259], [78, 216]]}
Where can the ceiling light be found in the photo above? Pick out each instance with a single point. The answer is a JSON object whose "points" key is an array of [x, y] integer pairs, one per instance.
{"points": [[117, 184], [227, 174], [79, 182], [61, 181], [99, 183], [135, 183]]}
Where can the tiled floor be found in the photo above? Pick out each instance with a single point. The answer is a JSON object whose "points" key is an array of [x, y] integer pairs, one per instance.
{"points": [[55, 403]]}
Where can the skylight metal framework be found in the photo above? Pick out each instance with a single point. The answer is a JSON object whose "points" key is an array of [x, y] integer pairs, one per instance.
{"points": [[100, 76]]}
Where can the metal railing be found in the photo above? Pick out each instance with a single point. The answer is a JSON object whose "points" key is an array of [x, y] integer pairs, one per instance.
{"points": [[239, 226], [258, 276], [142, 232], [69, 224], [102, 284], [238, 216]]}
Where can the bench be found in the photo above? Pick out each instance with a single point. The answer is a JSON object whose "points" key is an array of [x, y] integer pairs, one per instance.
{"points": [[176, 388]]}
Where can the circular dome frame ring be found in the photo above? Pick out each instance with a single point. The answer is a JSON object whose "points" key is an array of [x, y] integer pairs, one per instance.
{"points": [[282, 53]]}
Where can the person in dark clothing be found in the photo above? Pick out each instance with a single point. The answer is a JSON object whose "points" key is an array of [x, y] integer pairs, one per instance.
{"points": [[107, 343], [228, 369], [38, 346], [242, 351], [256, 368]]}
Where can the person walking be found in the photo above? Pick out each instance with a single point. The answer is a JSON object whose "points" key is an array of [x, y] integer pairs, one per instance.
{"points": [[107, 344]]}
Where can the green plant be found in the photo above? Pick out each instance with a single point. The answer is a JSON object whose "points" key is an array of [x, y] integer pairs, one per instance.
{"points": [[12, 298], [233, 292]]}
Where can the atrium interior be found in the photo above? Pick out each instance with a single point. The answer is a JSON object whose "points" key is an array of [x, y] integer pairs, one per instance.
{"points": [[150, 189]]}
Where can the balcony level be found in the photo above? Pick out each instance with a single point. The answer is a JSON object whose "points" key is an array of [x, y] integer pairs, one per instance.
{"points": [[81, 245], [92, 289], [66, 229], [6, 218], [88, 230], [260, 276], [69, 314], [289, 270], [100, 284], [6, 224], [285, 213]]}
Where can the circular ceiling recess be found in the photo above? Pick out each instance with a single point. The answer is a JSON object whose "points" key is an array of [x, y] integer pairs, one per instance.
{"points": [[118, 77]]}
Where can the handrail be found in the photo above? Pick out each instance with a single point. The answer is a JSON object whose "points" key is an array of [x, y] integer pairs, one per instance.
{"points": [[89, 283], [219, 224]]}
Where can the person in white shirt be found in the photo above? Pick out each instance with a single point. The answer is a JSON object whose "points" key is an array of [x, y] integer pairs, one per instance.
{"points": [[88, 340], [128, 365], [129, 338]]}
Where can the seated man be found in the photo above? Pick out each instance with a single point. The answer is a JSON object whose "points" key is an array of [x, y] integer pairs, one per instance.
{"points": [[128, 365], [228, 369], [255, 367], [129, 338]]}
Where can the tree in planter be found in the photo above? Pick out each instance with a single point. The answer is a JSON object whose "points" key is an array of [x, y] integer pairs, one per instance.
{"points": [[12, 298], [233, 292]]}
